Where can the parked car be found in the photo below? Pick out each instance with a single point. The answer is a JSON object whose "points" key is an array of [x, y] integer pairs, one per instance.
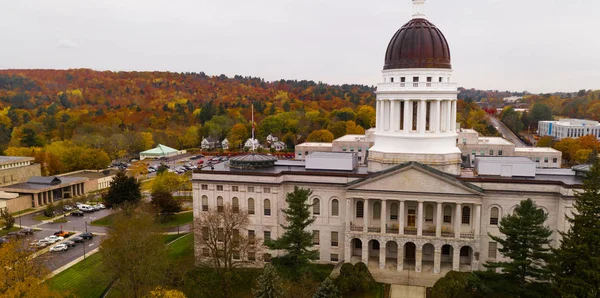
{"points": [[200, 161], [77, 213], [67, 208], [77, 239], [86, 235], [61, 233], [96, 208], [59, 247], [101, 206], [43, 243], [69, 243], [13, 235], [86, 208], [27, 231], [54, 238]]}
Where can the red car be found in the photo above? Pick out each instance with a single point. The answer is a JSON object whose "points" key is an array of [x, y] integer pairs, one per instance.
{"points": [[200, 162]]}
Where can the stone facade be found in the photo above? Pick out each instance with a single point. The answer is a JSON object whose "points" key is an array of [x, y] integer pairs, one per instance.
{"points": [[16, 169]]}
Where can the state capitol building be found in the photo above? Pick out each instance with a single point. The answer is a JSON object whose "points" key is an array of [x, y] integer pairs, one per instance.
{"points": [[410, 206]]}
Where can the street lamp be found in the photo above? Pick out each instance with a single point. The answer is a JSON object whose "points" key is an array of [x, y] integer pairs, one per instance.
{"points": [[86, 226]]}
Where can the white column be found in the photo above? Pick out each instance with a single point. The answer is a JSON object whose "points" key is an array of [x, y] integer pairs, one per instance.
{"points": [[349, 214], [393, 120], [453, 124], [477, 220], [443, 116], [418, 258], [457, 220], [386, 115], [420, 219], [407, 115], [448, 115], [436, 118], [400, 260], [383, 216], [438, 220], [437, 260], [422, 116], [456, 258], [365, 251], [401, 218], [378, 115], [367, 215], [382, 249], [348, 250]]}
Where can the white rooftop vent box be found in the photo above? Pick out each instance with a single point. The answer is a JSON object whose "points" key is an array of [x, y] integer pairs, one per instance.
{"points": [[333, 161], [505, 166]]}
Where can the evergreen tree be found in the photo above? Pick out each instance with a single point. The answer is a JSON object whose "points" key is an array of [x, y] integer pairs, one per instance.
{"points": [[577, 261], [327, 289], [526, 243], [6, 219], [269, 284], [296, 240], [123, 189]]}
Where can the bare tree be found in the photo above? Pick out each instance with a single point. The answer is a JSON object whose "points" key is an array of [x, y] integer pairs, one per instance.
{"points": [[223, 240]]}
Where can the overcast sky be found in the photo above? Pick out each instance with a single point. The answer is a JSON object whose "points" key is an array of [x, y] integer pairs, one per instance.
{"points": [[533, 45]]}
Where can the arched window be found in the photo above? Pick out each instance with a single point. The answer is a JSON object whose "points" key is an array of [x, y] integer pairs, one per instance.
{"points": [[447, 214], [204, 203], [429, 213], [220, 204], [376, 210], [267, 207], [235, 205], [250, 206], [394, 211], [466, 215], [494, 214], [360, 209], [316, 206], [335, 207]]}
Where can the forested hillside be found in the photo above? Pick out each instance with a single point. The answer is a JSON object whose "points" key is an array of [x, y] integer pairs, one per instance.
{"points": [[85, 113]]}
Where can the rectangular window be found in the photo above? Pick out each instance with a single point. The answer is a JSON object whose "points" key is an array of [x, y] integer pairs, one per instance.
{"points": [[545, 159], [220, 235], [446, 250], [440, 79], [392, 79], [204, 186], [359, 149], [334, 238], [416, 79], [267, 190], [492, 248], [334, 258], [205, 233], [251, 236], [464, 141], [267, 257], [491, 152], [205, 252], [482, 152], [402, 79], [236, 254], [537, 159], [219, 187], [235, 188], [316, 237], [429, 79], [250, 188], [299, 153], [251, 256], [555, 160], [267, 236], [499, 152]]}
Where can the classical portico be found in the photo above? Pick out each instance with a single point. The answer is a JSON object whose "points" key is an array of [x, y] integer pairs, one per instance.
{"points": [[395, 222], [416, 102]]}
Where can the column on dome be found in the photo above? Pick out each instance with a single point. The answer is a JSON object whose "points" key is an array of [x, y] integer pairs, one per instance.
{"points": [[453, 116], [422, 116], [395, 115], [386, 115], [407, 113], [378, 115], [448, 116], [443, 116], [437, 117]]}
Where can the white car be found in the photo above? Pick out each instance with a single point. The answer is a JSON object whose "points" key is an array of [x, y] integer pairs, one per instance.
{"points": [[59, 247], [54, 239], [86, 208], [101, 206], [42, 243]]}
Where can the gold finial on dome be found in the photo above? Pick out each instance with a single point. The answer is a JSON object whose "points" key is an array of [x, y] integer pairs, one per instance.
{"points": [[418, 9]]}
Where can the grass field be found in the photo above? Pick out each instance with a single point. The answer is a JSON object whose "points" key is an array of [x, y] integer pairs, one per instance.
{"points": [[85, 279], [103, 222], [3, 232], [21, 212], [41, 217], [178, 220]]}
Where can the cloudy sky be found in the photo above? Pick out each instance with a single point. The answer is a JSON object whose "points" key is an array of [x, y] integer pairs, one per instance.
{"points": [[533, 45]]}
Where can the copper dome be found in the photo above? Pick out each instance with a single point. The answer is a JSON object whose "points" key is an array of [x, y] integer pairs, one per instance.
{"points": [[418, 44]]}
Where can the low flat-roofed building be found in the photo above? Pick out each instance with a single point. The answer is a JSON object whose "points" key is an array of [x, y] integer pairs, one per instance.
{"points": [[39, 191], [97, 179], [304, 149], [505, 166], [569, 128], [543, 157], [353, 143], [15, 169]]}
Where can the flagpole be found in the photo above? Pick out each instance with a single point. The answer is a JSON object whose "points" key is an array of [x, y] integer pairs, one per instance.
{"points": [[252, 127]]}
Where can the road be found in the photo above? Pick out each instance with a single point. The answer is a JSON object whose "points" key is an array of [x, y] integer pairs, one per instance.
{"points": [[506, 132]]}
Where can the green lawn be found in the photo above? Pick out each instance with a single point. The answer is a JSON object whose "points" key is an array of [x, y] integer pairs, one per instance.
{"points": [[41, 217], [174, 220], [181, 248], [170, 238], [84, 279], [22, 211], [3, 232]]}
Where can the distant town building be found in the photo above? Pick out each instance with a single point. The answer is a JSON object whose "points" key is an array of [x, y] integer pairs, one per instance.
{"points": [[278, 145], [252, 144], [209, 143], [160, 151], [271, 139], [225, 144], [569, 128], [512, 98]]}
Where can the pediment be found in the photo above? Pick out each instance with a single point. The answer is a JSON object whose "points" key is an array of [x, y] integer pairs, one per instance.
{"points": [[415, 179]]}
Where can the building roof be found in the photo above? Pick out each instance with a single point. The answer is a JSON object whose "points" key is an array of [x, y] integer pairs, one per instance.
{"points": [[13, 159], [91, 174], [159, 150], [536, 149], [47, 180], [493, 141], [418, 44], [505, 159], [351, 138], [42, 184], [314, 144]]}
